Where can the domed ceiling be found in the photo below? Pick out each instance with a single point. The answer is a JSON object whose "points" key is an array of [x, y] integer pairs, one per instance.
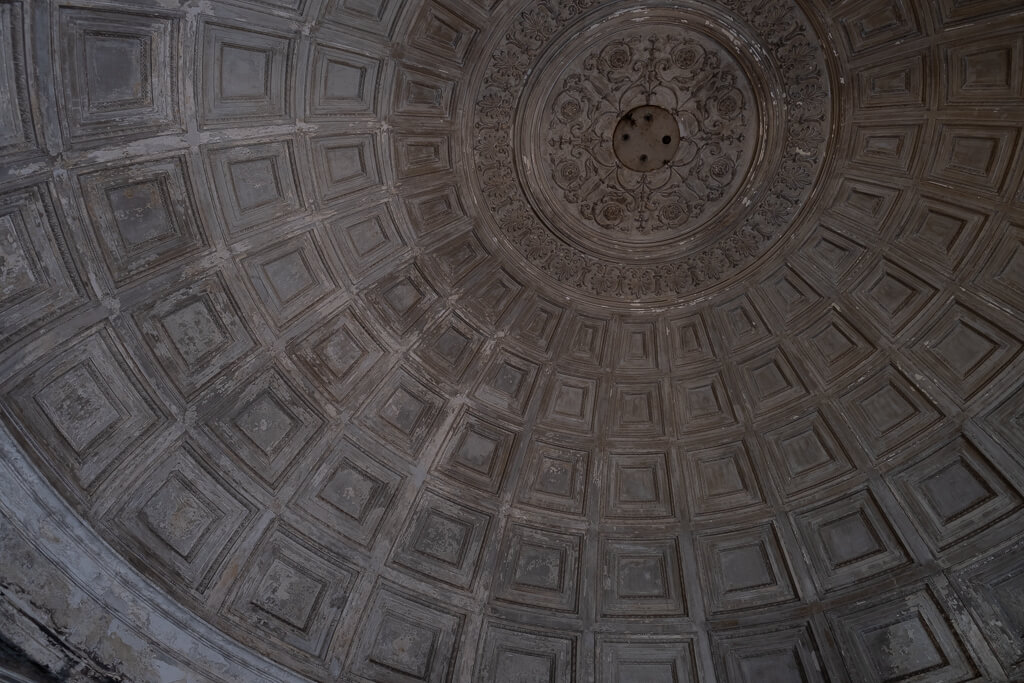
{"points": [[504, 340]]}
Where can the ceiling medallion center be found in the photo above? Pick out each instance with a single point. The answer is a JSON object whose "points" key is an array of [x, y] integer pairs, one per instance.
{"points": [[614, 124], [738, 96], [646, 139]]}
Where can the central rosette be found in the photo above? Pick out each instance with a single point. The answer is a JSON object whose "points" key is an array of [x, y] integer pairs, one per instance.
{"points": [[646, 139], [649, 134], [642, 153]]}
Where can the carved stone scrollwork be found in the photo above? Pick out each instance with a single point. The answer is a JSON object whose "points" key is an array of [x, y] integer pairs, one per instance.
{"points": [[748, 153], [693, 80]]}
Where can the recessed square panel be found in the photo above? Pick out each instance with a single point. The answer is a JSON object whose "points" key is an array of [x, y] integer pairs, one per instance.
{"points": [[866, 205], [975, 156], [555, 478], [290, 278], [637, 346], [689, 341], [421, 155], [790, 293], [144, 216], [434, 209], [878, 23], [256, 184], [744, 569], [893, 296], [834, 249], [886, 146], [986, 69], [702, 403], [402, 298], [88, 410], [834, 345], [406, 638], [741, 323], [364, 239], [478, 452], [348, 494], [722, 480], [449, 347], [889, 412], [266, 426], [966, 350], [654, 659], [342, 84], [808, 454], [180, 519], [457, 257], [116, 76], [18, 134], [638, 486], [443, 541], [344, 165], [772, 382], [956, 492], [509, 652], [903, 637], [293, 593], [420, 92], [338, 354], [403, 412], [443, 33], [641, 578], [245, 76], [376, 17], [893, 82], [850, 539], [491, 293], [40, 280], [508, 383], [195, 332], [637, 410], [782, 652], [570, 403], [539, 323], [541, 570]]}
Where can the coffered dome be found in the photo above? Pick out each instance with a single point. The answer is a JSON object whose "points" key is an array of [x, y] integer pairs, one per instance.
{"points": [[504, 340]]}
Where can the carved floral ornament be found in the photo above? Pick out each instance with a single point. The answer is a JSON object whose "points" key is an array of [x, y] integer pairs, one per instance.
{"points": [[704, 91], [574, 191]]}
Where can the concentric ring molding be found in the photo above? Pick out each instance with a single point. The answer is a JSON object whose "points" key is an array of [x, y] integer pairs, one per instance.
{"points": [[283, 401], [775, 196], [651, 45]]}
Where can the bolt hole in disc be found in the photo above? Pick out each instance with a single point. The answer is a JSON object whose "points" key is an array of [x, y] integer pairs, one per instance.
{"points": [[646, 138]]}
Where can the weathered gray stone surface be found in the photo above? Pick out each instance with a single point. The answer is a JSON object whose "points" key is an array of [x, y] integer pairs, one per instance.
{"points": [[337, 342]]}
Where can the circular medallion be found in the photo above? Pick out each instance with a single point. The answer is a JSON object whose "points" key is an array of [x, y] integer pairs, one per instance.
{"points": [[649, 132], [645, 155], [646, 138]]}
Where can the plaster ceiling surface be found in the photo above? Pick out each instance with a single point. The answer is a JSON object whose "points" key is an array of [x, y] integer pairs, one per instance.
{"points": [[495, 340]]}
